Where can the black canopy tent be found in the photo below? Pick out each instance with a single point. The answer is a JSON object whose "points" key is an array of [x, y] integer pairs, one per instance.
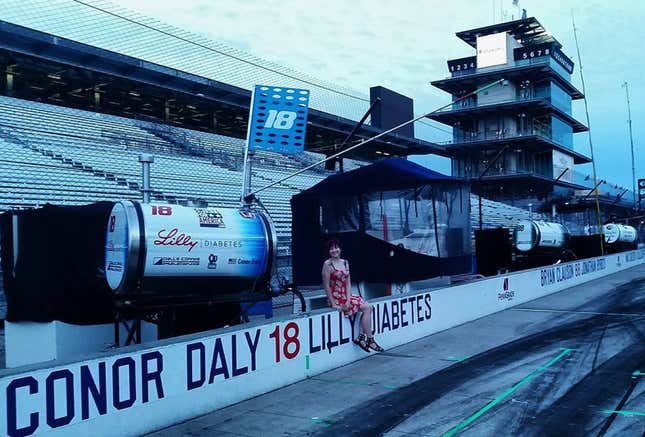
{"points": [[397, 221], [57, 272]]}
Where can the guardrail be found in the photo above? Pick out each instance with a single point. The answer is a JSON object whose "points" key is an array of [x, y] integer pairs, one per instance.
{"points": [[497, 135]]}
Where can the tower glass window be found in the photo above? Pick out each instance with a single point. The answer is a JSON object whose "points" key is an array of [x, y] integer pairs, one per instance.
{"points": [[560, 98], [561, 132]]}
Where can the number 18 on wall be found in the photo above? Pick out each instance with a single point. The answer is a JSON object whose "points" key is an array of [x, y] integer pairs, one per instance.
{"points": [[287, 342]]}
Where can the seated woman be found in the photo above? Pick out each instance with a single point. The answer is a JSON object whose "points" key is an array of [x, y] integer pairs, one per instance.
{"points": [[337, 283]]}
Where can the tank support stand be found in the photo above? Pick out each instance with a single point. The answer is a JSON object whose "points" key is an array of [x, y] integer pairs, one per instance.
{"points": [[132, 327]]}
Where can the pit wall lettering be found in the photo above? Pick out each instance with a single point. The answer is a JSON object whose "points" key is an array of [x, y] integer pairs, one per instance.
{"points": [[168, 382]]}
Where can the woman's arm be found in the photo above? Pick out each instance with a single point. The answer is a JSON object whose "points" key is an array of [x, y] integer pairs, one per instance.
{"points": [[325, 279]]}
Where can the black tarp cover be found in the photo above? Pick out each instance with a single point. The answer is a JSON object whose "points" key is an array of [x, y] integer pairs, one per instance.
{"points": [[385, 175], [58, 273], [372, 259]]}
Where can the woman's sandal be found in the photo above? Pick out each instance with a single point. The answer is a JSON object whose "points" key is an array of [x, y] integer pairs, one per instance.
{"points": [[361, 341], [372, 344]]}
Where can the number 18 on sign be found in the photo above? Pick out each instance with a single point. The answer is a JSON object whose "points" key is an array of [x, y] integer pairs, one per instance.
{"points": [[278, 119]]}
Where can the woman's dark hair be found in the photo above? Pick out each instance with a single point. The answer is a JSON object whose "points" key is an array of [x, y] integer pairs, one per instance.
{"points": [[333, 242]]}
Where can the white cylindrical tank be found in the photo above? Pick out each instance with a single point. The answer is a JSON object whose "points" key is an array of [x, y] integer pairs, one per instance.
{"points": [[616, 233], [185, 246], [531, 234]]}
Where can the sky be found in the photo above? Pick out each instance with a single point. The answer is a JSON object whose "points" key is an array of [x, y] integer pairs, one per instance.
{"points": [[404, 45]]}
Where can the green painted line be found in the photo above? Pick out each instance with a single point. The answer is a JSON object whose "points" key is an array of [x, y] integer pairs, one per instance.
{"points": [[361, 383], [624, 412], [324, 422], [463, 424], [306, 362], [459, 359]]}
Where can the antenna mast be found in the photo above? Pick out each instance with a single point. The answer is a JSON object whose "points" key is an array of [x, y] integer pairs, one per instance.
{"points": [[631, 140], [593, 161]]}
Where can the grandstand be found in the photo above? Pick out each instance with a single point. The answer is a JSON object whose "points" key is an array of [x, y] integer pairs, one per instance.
{"points": [[67, 156]]}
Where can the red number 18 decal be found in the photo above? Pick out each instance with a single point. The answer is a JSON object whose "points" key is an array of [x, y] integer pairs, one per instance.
{"points": [[291, 345], [161, 210]]}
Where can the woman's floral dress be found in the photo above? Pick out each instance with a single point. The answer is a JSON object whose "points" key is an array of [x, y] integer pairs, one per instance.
{"points": [[338, 285]]}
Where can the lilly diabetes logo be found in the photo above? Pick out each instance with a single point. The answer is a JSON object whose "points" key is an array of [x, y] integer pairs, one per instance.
{"points": [[222, 244], [507, 294], [212, 261], [174, 237], [210, 218]]}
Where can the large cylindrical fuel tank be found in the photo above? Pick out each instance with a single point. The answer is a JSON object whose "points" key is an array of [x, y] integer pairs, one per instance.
{"points": [[531, 234], [616, 233], [170, 248]]}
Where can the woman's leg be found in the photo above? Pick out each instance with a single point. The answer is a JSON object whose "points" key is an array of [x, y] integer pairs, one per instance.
{"points": [[366, 319]]}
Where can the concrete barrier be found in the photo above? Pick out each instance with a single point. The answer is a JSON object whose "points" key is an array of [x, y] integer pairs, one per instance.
{"points": [[139, 389]]}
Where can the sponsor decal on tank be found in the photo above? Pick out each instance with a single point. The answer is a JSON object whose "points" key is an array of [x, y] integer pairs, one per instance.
{"points": [[243, 261], [212, 261], [248, 261], [115, 266], [222, 244], [173, 237], [210, 218], [175, 261]]}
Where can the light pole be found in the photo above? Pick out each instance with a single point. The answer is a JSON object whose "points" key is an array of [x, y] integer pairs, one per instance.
{"points": [[146, 159], [631, 140]]}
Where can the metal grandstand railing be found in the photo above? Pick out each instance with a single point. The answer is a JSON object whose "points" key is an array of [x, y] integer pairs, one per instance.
{"points": [[606, 190], [104, 25]]}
